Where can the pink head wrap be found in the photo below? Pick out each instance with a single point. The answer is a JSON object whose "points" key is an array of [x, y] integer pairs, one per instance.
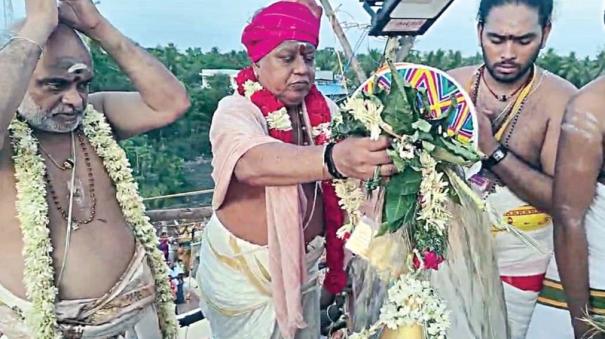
{"points": [[283, 20]]}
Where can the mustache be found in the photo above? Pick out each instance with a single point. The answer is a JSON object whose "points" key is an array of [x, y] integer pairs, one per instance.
{"points": [[66, 111]]}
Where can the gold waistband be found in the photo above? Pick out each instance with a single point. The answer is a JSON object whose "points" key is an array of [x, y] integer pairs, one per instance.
{"points": [[525, 218]]}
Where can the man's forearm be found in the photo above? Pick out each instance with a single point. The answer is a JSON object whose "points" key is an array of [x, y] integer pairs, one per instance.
{"points": [[157, 86], [279, 164], [529, 184], [18, 60], [571, 252]]}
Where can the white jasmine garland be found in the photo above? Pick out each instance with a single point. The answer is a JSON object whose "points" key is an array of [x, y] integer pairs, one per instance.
{"points": [[279, 120], [404, 148], [412, 302], [350, 198], [251, 87], [433, 210], [368, 113]]}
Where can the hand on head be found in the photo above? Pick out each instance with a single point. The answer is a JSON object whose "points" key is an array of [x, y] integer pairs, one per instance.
{"points": [[45, 15], [81, 15]]}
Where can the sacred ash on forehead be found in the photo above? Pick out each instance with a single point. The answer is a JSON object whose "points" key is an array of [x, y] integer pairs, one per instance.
{"points": [[77, 68]]}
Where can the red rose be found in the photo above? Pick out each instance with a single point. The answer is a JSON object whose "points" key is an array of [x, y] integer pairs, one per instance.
{"points": [[416, 262], [243, 76], [431, 261], [321, 139], [346, 236]]}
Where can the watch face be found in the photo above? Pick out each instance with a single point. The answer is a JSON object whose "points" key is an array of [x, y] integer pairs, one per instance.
{"points": [[498, 155]]}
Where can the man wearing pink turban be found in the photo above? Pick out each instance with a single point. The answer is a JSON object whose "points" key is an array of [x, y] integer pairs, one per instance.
{"points": [[274, 202]]}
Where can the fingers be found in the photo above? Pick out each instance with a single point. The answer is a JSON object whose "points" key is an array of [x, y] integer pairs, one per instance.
{"points": [[360, 157], [378, 158], [377, 145], [388, 170]]}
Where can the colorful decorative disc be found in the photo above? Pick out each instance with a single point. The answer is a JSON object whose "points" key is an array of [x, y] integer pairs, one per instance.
{"points": [[441, 89]]}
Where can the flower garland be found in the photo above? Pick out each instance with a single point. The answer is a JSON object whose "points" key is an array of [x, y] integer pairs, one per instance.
{"points": [[432, 217], [280, 127], [411, 302], [114, 158], [350, 198], [32, 211]]}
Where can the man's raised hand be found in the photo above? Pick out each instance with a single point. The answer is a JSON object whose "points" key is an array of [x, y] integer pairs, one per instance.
{"points": [[81, 15]]}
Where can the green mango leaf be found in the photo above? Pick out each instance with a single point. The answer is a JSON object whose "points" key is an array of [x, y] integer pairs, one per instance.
{"points": [[409, 205], [460, 149], [405, 183], [412, 95], [422, 125], [384, 228], [401, 199], [428, 146], [397, 110], [442, 154], [399, 163], [426, 106]]}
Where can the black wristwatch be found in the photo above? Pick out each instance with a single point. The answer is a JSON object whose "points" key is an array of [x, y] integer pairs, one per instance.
{"points": [[498, 155]]}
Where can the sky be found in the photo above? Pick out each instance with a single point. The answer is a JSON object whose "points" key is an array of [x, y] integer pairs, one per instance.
{"points": [[578, 24]]}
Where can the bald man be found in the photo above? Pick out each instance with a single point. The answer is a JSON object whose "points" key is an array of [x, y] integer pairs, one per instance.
{"points": [[105, 287]]}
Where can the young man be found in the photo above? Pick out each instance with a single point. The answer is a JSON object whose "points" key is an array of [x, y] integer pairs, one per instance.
{"points": [[520, 108], [63, 210]]}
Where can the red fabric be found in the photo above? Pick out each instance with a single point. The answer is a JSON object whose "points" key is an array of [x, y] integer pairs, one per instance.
{"points": [[319, 113], [277, 23], [526, 283]]}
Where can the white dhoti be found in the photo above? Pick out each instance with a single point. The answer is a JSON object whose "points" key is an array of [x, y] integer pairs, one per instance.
{"points": [[127, 310], [235, 286], [521, 267], [551, 319]]}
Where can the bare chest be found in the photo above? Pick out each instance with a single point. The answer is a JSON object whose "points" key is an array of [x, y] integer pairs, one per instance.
{"points": [[521, 126], [101, 247]]}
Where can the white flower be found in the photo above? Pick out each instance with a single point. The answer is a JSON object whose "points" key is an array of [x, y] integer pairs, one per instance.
{"points": [[434, 196], [279, 120], [414, 302], [368, 113], [350, 198], [320, 129], [337, 118], [405, 149], [251, 87]]}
